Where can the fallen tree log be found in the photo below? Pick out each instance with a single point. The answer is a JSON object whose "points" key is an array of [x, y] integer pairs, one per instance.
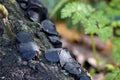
{"points": [[12, 67]]}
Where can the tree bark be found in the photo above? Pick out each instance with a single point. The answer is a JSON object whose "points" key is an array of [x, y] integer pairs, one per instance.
{"points": [[12, 67]]}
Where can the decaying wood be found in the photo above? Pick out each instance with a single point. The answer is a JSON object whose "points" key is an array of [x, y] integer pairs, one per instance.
{"points": [[12, 67]]}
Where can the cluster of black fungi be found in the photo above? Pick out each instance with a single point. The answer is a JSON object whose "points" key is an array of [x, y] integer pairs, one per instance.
{"points": [[36, 12]]}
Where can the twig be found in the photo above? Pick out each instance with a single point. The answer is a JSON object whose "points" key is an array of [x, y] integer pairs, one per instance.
{"points": [[94, 49], [57, 8], [4, 16]]}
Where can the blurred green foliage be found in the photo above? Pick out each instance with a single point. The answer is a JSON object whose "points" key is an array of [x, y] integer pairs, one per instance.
{"points": [[114, 75], [93, 20], [50, 4], [95, 16], [99, 18], [116, 50]]}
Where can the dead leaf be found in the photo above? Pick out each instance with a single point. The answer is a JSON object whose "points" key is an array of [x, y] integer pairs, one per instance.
{"points": [[64, 32], [108, 47]]}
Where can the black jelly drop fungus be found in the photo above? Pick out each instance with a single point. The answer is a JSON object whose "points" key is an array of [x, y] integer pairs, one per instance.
{"points": [[28, 55], [33, 8], [30, 46], [24, 4], [55, 40], [49, 27], [84, 78], [24, 37], [33, 15], [36, 14], [52, 55]]}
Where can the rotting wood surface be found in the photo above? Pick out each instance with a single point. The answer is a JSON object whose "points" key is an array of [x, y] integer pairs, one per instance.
{"points": [[12, 67]]}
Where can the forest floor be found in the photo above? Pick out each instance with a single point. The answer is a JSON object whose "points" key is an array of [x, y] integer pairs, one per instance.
{"points": [[81, 49]]}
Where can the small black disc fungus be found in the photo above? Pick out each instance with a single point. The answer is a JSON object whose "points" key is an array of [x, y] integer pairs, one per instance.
{"points": [[33, 15], [24, 4], [28, 50], [52, 55], [24, 37], [28, 55], [55, 40], [49, 27], [73, 68], [30, 46], [34, 10], [84, 78], [36, 13]]}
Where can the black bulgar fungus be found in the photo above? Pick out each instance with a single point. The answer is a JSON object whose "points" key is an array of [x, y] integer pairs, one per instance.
{"points": [[58, 45], [28, 55], [52, 55], [55, 40], [84, 78], [69, 64], [36, 12], [30, 46], [49, 27], [24, 37], [33, 8], [39, 10], [73, 68], [24, 4], [65, 57], [28, 50], [33, 15]]}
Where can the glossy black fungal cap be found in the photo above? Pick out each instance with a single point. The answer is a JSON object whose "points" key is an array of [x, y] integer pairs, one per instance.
{"points": [[58, 45], [52, 55], [30, 46], [36, 13], [28, 50], [65, 57], [28, 55], [33, 15], [84, 78], [73, 68], [49, 27], [34, 10], [24, 37], [55, 40], [24, 4]]}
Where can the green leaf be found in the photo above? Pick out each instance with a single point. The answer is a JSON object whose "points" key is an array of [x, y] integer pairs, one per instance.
{"points": [[105, 33], [67, 10], [77, 11], [116, 49], [90, 27], [76, 17], [110, 76], [93, 21], [114, 75]]}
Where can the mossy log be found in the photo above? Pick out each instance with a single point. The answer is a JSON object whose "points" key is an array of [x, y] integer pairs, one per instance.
{"points": [[12, 67]]}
